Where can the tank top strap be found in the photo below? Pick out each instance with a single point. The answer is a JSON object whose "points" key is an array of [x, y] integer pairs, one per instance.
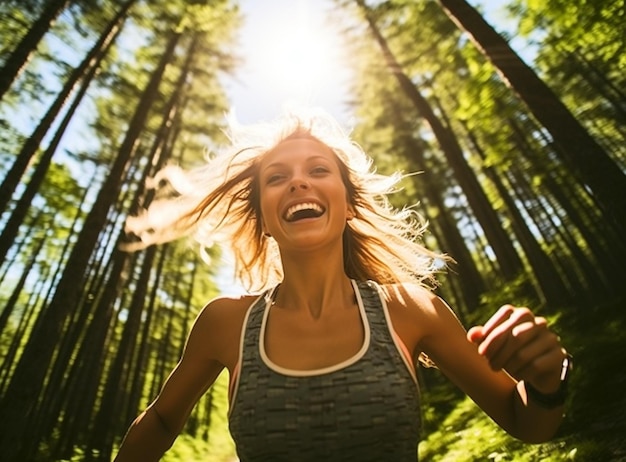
{"points": [[374, 310], [382, 330], [249, 355]]}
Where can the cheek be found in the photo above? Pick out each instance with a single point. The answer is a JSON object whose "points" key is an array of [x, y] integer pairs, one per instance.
{"points": [[267, 205]]}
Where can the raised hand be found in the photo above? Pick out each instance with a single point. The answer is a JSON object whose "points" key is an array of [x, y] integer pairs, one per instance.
{"points": [[516, 340]]}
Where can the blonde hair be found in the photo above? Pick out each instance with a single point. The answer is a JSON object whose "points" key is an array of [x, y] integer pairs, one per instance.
{"points": [[219, 203]]}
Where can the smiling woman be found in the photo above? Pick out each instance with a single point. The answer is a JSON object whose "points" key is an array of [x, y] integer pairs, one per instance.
{"points": [[322, 360], [291, 53]]}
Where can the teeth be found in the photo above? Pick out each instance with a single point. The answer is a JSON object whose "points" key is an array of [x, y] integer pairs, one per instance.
{"points": [[291, 211]]}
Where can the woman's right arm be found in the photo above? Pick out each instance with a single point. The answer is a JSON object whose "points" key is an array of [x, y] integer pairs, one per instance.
{"points": [[154, 431]]}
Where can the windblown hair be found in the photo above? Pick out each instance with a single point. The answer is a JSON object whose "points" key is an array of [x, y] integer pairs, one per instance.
{"points": [[219, 203]]}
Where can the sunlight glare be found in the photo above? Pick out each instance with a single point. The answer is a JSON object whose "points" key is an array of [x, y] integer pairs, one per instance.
{"points": [[298, 57]]}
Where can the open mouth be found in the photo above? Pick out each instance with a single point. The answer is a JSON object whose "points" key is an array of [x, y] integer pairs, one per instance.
{"points": [[303, 210]]}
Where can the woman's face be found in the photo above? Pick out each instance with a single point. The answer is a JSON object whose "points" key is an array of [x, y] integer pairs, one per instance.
{"points": [[302, 196]]}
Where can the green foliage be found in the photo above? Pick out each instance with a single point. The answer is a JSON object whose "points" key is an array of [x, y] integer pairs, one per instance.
{"points": [[518, 291], [15, 21], [192, 94], [580, 54], [467, 434], [218, 445], [456, 430]]}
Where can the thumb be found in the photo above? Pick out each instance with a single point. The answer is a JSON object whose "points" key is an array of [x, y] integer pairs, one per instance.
{"points": [[475, 334]]}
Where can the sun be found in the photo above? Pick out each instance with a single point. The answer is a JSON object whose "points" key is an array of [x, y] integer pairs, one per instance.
{"points": [[299, 60], [294, 55]]}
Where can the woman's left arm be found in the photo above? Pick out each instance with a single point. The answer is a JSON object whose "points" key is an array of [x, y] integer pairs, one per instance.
{"points": [[495, 363]]}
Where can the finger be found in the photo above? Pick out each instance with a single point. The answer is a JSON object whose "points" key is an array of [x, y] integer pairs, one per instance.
{"points": [[544, 369], [478, 333], [502, 334], [534, 341], [498, 318], [521, 335], [544, 372], [506, 355], [475, 334], [531, 361]]}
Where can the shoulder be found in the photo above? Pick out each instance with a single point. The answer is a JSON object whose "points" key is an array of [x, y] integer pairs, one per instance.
{"points": [[419, 316], [409, 299], [410, 306], [219, 324], [226, 309]]}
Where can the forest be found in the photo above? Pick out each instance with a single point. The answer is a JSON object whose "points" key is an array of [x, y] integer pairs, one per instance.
{"points": [[521, 176]]}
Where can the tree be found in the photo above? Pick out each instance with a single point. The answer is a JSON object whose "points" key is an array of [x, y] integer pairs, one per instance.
{"points": [[20, 56], [28, 378], [84, 72], [581, 153], [508, 259], [75, 313]]}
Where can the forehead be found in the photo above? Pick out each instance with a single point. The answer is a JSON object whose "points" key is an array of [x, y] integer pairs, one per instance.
{"points": [[297, 150]]}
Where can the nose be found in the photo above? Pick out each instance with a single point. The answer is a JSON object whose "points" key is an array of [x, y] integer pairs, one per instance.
{"points": [[298, 183]]}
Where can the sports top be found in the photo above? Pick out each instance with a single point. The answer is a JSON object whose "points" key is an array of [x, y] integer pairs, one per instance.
{"points": [[363, 409]]}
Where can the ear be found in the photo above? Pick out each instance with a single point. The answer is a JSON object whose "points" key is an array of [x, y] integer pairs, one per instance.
{"points": [[351, 213], [264, 230]]}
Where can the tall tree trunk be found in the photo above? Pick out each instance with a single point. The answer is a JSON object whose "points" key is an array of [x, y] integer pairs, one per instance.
{"points": [[22, 394], [55, 396], [508, 259], [87, 369], [108, 415], [17, 60], [470, 281], [105, 425], [136, 383], [603, 242], [13, 223], [20, 332], [549, 280], [86, 71], [17, 290], [612, 93], [579, 151]]}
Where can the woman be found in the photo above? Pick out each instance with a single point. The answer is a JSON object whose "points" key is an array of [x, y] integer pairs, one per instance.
{"points": [[322, 363]]}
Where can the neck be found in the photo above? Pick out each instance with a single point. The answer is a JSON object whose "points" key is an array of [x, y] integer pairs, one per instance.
{"points": [[314, 283]]}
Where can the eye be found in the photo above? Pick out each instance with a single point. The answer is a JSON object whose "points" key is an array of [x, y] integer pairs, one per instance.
{"points": [[320, 170], [274, 178]]}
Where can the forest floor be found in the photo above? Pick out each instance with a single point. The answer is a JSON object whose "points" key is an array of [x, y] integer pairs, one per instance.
{"points": [[594, 428]]}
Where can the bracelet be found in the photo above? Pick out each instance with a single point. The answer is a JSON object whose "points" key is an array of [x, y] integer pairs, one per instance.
{"points": [[556, 399]]}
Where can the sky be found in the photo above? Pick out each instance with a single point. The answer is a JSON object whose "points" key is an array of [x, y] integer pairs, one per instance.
{"points": [[291, 53]]}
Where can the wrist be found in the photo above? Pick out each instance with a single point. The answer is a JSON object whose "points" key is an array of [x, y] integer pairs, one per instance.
{"points": [[554, 399]]}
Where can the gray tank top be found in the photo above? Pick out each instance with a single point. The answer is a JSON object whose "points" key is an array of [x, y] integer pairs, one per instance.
{"points": [[364, 409]]}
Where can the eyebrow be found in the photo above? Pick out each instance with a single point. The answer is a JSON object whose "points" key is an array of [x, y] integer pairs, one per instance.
{"points": [[282, 164]]}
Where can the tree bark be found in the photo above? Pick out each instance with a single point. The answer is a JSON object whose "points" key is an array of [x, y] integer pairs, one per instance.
{"points": [[552, 289]]}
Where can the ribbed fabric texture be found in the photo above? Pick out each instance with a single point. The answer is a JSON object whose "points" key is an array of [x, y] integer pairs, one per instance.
{"points": [[368, 410]]}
